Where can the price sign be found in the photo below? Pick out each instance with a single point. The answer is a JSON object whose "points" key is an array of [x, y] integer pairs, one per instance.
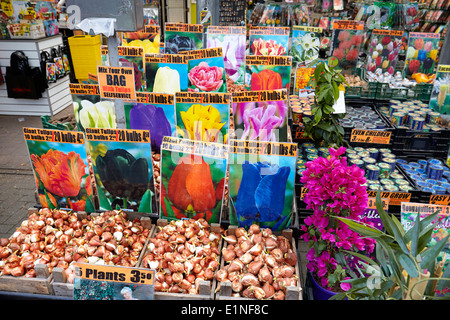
{"points": [[371, 203], [370, 136], [116, 83], [443, 200]]}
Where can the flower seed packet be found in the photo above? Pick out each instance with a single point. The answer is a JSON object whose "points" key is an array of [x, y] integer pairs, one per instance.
{"points": [[440, 96], [269, 41], [61, 169], [232, 40], [383, 50], [133, 57], [261, 183], [122, 165], [206, 71], [421, 54], [148, 39], [182, 37], [203, 116], [260, 115], [305, 44], [90, 110], [347, 37], [192, 179], [166, 73], [267, 72]]}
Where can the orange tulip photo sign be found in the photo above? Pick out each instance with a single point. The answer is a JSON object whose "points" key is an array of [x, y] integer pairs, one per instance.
{"points": [[268, 72], [60, 166], [192, 179]]}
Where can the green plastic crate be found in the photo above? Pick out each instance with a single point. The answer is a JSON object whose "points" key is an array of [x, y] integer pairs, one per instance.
{"points": [[67, 126]]}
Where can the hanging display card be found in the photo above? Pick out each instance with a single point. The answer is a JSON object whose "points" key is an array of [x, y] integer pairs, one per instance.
{"points": [[383, 50], [302, 77], [133, 57], [206, 71], [192, 179], [261, 183], [232, 40], [421, 54], [107, 282], [203, 116], [268, 41], [122, 163], [440, 95], [148, 39], [182, 37], [60, 166], [260, 115], [166, 73], [90, 110], [346, 40], [116, 82], [268, 72], [305, 44], [232, 13], [408, 216]]}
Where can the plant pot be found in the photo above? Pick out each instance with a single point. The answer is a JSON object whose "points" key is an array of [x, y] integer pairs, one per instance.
{"points": [[319, 292]]}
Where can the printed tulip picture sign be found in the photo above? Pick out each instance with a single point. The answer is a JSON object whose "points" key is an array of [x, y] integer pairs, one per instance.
{"points": [[206, 71], [122, 164], [421, 54], [232, 40], [305, 43], [182, 37], [347, 38], [203, 116], [269, 41], [384, 49], [192, 179], [133, 57], [260, 115], [90, 110], [261, 183], [166, 73], [440, 95], [267, 72], [60, 167], [148, 39]]}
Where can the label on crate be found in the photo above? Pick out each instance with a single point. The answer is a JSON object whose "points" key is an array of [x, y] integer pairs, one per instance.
{"points": [[370, 136], [84, 89], [283, 31], [113, 282], [398, 33], [268, 60], [440, 199], [395, 198], [308, 29], [202, 53], [263, 148], [348, 24], [196, 147], [123, 135], [198, 97], [48, 135], [116, 83], [226, 30], [182, 27]]}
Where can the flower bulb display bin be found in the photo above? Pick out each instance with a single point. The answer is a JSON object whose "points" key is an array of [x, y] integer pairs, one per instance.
{"points": [[204, 288], [318, 292], [228, 290], [366, 91]]}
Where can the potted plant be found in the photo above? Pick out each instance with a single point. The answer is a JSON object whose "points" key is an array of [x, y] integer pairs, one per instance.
{"points": [[323, 126], [406, 265], [334, 190]]}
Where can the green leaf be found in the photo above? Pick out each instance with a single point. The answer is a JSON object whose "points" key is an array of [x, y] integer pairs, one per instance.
{"points": [[362, 229], [408, 264], [383, 215], [104, 202], [49, 202], [415, 235], [146, 202], [89, 207], [431, 253]]}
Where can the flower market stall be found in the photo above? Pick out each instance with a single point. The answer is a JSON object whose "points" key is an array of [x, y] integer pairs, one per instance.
{"points": [[299, 155]]}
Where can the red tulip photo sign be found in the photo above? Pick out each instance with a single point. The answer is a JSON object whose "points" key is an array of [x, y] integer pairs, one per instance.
{"points": [[421, 54], [268, 72], [60, 167], [133, 57], [347, 38], [268, 41], [384, 49], [192, 179]]}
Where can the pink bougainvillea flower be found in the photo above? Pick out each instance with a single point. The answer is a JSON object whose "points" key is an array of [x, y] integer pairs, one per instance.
{"points": [[346, 286], [206, 78]]}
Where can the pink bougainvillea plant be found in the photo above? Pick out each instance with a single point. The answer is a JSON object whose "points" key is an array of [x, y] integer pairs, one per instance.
{"points": [[334, 190]]}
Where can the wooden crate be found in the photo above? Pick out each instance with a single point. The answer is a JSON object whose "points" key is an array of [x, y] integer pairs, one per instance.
{"points": [[38, 285], [61, 286], [206, 288], [224, 291]]}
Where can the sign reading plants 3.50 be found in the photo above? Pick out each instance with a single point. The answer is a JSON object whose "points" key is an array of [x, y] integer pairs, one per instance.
{"points": [[116, 83]]}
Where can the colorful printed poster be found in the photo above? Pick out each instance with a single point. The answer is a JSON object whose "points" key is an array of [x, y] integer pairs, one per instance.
{"points": [[383, 50], [133, 57], [269, 41], [305, 43], [116, 82], [203, 116], [166, 73], [421, 54], [302, 77], [206, 71], [182, 37], [261, 183], [122, 163], [408, 216], [260, 115], [232, 40], [192, 179], [268, 72], [440, 96], [60, 167], [347, 38], [148, 39], [90, 110]]}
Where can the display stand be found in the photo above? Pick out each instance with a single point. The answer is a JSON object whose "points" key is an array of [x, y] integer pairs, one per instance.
{"points": [[54, 99]]}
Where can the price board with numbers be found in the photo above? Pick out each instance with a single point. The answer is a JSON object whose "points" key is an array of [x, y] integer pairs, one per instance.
{"points": [[371, 203], [370, 136]]}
